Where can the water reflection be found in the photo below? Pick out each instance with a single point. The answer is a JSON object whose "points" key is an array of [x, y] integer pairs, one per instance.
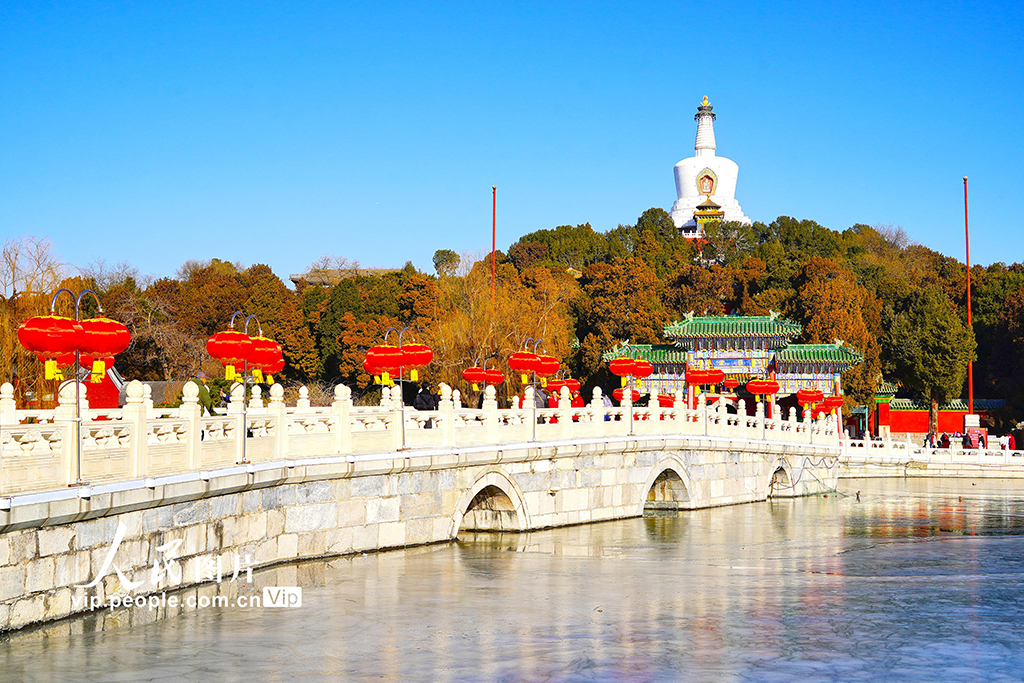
{"points": [[917, 580]]}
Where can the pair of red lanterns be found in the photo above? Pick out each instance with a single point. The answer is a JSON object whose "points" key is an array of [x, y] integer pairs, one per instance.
{"points": [[385, 360], [629, 367], [233, 349], [477, 376], [55, 339], [526, 363]]}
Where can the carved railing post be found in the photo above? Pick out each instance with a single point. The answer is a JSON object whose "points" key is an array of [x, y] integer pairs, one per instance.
{"points": [[8, 407], [64, 415], [235, 408], [256, 406], [446, 415], [279, 411], [565, 411], [597, 411], [457, 399], [192, 412], [490, 411], [134, 415], [759, 420], [342, 409], [147, 400]]}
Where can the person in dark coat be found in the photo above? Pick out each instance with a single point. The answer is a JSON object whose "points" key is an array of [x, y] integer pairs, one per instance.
{"points": [[424, 399], [205, 400]]}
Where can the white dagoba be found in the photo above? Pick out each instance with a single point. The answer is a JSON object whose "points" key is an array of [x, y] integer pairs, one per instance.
{"points": [[705, 183]]}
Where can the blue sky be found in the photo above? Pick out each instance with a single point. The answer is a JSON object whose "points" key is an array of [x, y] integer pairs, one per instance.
{"points": [[274, 133]]}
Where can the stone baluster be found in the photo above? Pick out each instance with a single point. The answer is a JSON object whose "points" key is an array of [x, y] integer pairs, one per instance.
{"points": [[722, 418], [192, 413], [235, 409], [256, 406], [134, 416], [64, 416], [679, 410], [759, 425], [342, 409], [628, 417], [398, 417], [446, 415], [702, 414], [490, 411], [597, 411], [303, 401], [147, 400], [279, 411], [385, 397], [565, 411], [8, 407], [457, 399]]}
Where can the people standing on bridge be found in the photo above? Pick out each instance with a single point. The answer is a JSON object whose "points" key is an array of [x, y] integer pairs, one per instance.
{"points": [[966, 440], [205, 400], [929, 439]]}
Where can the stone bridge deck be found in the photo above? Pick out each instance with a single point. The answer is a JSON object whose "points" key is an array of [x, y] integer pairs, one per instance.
{"points": [[173, 492]]}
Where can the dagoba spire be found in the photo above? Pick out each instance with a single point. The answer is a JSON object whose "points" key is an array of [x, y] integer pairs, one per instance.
{"points": [[705, 119]]}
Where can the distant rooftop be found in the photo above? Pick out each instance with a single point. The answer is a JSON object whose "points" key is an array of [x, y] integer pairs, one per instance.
{"points": [[331, 277], [833, 354], [780, 330]]}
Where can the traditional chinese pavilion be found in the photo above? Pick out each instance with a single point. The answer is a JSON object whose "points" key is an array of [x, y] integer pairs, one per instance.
{"points": [[743, 347]]}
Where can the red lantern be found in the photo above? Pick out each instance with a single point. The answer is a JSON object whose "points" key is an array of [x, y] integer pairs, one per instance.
{"points": [[806, 396], [715, 376], [474, 376], [414, 357], [555, 385], [104, 337], [524, 363], [697, 377], [546, 367], [623, 367], [573, 385], [231, 348], [642, 368], [666, 400], [493, 377], [275, 367], [731, 383], [265, 354], [763, 386], [618, 394], [50, 337], [832, 402], [385, 357]]}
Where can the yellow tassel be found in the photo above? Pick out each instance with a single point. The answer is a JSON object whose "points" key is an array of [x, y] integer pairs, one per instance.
{"points": [[384, 378], [526, 380], [377, 379], [229, 372], [50, 369], [624, 381], [270, 379], [544, 382], [98, 368], [476, 387], [414, 375], [257, 375]]}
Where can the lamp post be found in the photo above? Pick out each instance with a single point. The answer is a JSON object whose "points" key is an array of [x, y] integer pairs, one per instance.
{"points": [[970, 364], [494, 234], [245, 380], [78, 375], [401, 381]]}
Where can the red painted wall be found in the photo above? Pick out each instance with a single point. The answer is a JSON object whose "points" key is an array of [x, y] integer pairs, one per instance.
{"points": [[917, 420]]}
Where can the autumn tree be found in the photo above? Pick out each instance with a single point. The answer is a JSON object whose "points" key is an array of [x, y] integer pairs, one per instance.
{"points": [[623, 302]]}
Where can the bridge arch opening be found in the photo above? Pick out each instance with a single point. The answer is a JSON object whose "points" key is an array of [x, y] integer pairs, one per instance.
{"points": [[490, 510], [780, 482], [668, 492]]}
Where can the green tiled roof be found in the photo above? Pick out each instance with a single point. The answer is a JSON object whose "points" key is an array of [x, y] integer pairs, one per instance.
{"points": [[654, 353], [733, 326], [819, 353], [888, 387], [956, 404]]}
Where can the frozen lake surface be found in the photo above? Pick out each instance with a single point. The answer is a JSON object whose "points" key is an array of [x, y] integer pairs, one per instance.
{"points": [[918, 580]]}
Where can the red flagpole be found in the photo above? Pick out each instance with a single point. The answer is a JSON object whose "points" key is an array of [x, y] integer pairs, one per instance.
{"points": [[970, 365], [494, 233]]}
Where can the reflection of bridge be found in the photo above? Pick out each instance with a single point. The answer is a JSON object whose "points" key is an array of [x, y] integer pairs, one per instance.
{"points": [[343, 479]]}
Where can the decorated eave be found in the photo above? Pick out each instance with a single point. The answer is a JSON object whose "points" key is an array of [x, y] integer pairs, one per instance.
{"points": [[771, 330], [656, 354], [887, 389], [838, 357]]}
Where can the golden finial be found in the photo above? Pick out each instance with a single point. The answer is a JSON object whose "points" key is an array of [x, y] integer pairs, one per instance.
{"points": [[705, 102]]}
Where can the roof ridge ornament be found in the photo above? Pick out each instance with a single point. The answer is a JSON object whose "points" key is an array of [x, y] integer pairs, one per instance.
{"points": [[772, 315]]}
